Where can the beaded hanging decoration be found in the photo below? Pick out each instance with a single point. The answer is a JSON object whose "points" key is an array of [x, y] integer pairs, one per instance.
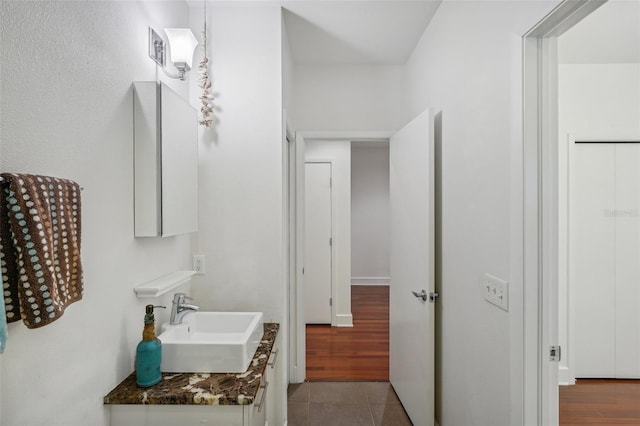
{"points": [[206, 97]]}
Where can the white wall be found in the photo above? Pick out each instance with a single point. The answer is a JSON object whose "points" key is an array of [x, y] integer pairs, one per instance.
{"points": [[596, 102], [599, 101], [370, 214], [241, 166], [349, 97], [67, 110], [611, 35], [469, 64], [340, 153], [241, 187]]}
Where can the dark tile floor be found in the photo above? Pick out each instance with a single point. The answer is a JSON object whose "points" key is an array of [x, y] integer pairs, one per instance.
{"points": [[344, 403]]}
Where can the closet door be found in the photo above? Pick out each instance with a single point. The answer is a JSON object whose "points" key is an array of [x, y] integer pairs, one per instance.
{"points": [[592, 259], [318, 248], [605, 259], [627, 268]]}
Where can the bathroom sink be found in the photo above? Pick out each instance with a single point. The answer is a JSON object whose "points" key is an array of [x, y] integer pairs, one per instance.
{"points": [[211, 342]]}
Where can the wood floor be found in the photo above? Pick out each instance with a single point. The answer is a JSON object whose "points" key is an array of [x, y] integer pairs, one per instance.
{"points": [[600, 402], [358, 353]]}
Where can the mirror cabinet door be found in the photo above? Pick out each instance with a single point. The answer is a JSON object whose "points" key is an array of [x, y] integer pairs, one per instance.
{"points": [[166, 162], [179, 164]]}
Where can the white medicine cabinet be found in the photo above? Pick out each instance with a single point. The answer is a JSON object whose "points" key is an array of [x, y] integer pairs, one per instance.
{"points": [[165, 162]]}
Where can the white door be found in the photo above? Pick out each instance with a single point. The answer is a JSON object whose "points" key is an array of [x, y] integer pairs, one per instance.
{"points": [[604, 251], [592, 259], [627, 270], [317, 245], [411, 320]]}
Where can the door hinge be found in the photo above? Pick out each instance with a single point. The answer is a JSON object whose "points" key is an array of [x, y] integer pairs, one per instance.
{"points": [[330, 242], [330, 182], [555, 353], [331, 301]]}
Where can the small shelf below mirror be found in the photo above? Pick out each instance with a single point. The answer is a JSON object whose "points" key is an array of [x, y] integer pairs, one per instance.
{"points": [[164, 284]]}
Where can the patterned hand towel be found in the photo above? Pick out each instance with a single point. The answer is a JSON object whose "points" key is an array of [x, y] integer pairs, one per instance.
{"points": [[40, 247], [4, 333]]}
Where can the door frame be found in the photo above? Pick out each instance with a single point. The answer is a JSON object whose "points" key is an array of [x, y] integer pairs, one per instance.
{"points": [[331, 162], [539, 215], [297, 343], [294, 170]]}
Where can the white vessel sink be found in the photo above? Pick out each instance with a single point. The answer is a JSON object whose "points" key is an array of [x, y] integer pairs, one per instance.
{"points": [[211, 342]]}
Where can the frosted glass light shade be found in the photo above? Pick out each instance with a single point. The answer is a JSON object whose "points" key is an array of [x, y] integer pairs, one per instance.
{"points": [[183, 43]]}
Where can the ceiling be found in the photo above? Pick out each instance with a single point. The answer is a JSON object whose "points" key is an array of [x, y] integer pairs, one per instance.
{"points": [[610, 35], [356, 31]]}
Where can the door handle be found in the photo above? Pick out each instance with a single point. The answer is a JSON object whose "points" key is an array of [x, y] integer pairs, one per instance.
{"points": [[423, 295], [264, 395], [272, 364]]}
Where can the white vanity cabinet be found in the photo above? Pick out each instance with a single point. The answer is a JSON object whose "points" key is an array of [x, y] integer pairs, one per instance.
{"points": [[267, 411], [190, 415], [275, 378], [183, 415], [198, 415], [161, 405], [257, 412]]}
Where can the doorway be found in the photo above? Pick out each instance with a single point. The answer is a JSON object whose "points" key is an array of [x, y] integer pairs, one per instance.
{"points": [[332, 350], [356, 347], [541, 199], [412, 257], [598, 98], [339, 157]]}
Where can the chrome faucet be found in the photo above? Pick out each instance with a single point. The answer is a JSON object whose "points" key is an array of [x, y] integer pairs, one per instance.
{"points": [[179, 309]]}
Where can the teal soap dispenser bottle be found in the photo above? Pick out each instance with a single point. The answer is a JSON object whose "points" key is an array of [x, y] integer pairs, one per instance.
{"points": [[149, 352]]}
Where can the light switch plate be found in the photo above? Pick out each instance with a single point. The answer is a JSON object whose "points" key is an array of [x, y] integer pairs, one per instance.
{"points": [[496, 291]]}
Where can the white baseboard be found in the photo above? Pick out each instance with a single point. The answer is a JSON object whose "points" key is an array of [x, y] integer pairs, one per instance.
{"points": [[564, 378], [344, 320], [370, 280]]}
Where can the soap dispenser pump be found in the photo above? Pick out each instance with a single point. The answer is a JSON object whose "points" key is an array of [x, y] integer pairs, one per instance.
{"points": [[148, 352]]}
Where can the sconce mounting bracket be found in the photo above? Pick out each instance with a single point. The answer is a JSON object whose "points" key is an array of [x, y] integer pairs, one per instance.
{"points": [[156, 47]]}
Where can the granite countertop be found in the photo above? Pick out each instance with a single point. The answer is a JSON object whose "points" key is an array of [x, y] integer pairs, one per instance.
{"points": [[201, 388]]}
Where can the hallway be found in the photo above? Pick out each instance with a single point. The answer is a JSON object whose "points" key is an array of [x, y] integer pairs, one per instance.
{"points": [[348, 370], [360, 352]]}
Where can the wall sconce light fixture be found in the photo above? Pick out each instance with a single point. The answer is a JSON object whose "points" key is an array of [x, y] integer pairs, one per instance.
{"points": [[182, 44]]}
